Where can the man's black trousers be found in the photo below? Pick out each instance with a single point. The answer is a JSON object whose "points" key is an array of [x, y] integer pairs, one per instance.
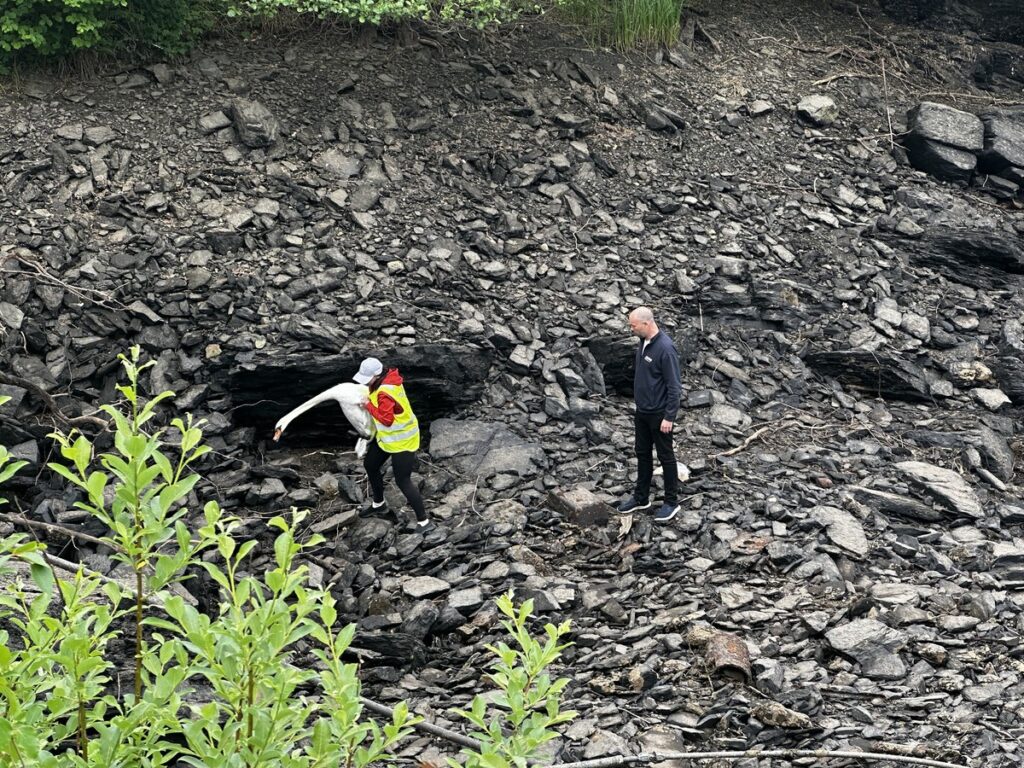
{"points": [[649, 436], [402, 463]]}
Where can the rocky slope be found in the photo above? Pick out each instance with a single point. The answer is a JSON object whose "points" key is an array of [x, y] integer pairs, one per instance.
{"points": [[483, 212]]}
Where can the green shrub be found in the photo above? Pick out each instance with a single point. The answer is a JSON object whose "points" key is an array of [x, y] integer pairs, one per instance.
{"points": [[170, 27], [479, 13], [34, 30], [53, 27], [528, 705], [210, 690]]}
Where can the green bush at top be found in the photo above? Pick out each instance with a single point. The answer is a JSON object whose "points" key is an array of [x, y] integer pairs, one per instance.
{"points": [[478, 13], [55, 29]]}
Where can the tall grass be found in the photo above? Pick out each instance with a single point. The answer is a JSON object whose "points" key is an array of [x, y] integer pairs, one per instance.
{"points": [[625, 24]]}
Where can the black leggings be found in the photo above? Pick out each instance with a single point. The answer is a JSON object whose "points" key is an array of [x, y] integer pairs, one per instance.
{"points": [[403, 464]]}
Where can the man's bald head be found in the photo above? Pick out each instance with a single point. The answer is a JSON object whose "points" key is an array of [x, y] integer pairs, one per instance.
{"points": [[643, 314], [641, 322]]}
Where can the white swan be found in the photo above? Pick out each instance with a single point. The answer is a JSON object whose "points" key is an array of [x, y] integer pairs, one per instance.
{"points": [[349, 395]]}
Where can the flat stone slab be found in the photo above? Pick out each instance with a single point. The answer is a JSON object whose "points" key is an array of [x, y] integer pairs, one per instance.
{"points": [[942, 123], [871, 644], [842, 528], [425, 586], [580, 506], [945, 485]]}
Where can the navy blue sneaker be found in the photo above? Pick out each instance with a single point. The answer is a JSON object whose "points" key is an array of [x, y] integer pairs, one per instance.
{"points": [[373, 509], [666, 513], [631, 505]]}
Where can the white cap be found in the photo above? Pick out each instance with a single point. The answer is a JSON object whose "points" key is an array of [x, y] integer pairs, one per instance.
{"points": [[369, 368]]}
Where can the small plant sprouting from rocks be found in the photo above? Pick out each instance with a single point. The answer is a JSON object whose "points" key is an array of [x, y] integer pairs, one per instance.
{"points": [[145, 511], [528, 705]]}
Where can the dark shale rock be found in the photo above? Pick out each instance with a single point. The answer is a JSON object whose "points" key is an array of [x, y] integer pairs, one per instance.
{"points": [[256, 125]]}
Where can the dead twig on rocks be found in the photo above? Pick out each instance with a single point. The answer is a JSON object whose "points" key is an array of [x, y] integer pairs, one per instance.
{"points": [[105, 300], [840, 76], [426, 727], [742, 446], [888, 112], [51, 403], [53, 528], [977, 96], [821, 754]]}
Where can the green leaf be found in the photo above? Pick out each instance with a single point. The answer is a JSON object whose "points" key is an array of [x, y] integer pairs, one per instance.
{"points": [[42, 576]]}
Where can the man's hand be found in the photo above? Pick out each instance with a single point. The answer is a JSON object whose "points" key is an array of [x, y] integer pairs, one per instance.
{"points": [[666, 426]]}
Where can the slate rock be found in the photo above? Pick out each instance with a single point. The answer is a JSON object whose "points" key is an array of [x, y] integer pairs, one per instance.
{"points": [[945, 485], [818, 109], [871, 644], [1004, 140], [580, 506], [97, 135], [941, 160], [880, 374], [421, 618], [993, 399], [466, 601], [256, 125], [11, 317], [900, 506], [337, 164], [425, 586], [842, 528], [214, 121], [484, 448], [270, 489], [944, 124], [368, 533]]}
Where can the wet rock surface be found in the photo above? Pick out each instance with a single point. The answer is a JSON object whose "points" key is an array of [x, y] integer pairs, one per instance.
{"points": [[849, 332]]}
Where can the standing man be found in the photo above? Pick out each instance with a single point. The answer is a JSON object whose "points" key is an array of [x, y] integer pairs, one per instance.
{"points": [[398, 437], [656, 390]]}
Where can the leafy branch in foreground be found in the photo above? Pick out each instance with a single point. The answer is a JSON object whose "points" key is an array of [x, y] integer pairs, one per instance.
{"points": [[528, 704], [146, 510], [260, 682]]}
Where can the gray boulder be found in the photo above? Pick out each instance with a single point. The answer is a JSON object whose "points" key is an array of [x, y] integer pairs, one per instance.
{"points": [[843, 529], [484, 448], [256, 125], [1003, 140], [871, 644], [818, 109], [942, 141], [944, 485], [941, 160], [944, 124]]}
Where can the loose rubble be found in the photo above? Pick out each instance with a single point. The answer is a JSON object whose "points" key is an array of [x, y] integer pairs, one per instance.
{"points": [[261, 216]]}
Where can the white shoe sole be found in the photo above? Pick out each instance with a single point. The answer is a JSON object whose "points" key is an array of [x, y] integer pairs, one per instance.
{"points": [[668, 519]]}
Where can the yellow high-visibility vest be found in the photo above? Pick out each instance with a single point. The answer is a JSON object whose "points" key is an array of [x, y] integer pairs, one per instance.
{"points": [[404, 432]]}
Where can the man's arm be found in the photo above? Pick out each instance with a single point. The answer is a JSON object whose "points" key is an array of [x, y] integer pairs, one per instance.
{"points": [[673, 382]]}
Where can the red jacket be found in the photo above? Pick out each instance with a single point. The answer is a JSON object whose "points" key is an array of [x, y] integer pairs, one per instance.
{"points": [[386, 408]]}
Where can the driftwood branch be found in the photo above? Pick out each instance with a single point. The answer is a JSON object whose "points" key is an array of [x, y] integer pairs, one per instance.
{"points": [[53, 528], [434, 730], [51, 403], [742, 446], [821, 754], [616, 761]]}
